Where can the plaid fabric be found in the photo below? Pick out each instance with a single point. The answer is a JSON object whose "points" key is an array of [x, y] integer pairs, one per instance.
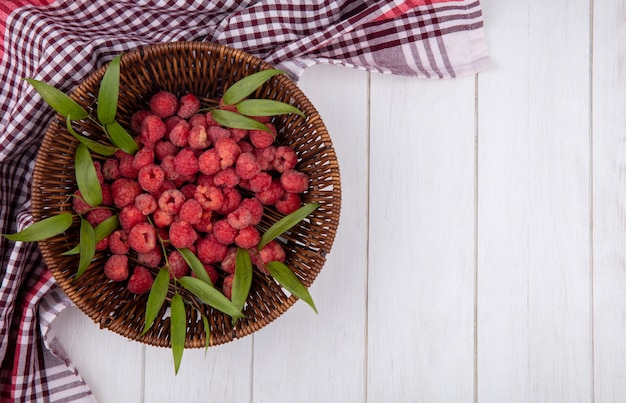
{"points": [[62, 41]]}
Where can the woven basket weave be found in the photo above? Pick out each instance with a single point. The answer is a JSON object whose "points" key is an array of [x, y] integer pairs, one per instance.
{"points": [[204, 70]]}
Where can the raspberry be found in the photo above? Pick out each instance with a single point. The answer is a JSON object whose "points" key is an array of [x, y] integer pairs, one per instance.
{"points": [[164, 104], [178, 266], [151, 177], [162, 219], [247, 167], [238, 134], [209, 197], [224, 233], [142, 237], [255, 208], [124, 191], [272, 194], [206, 223], [98, 167], [130, 216], [260, 182], [294, 181], [185, 162], [127, 168], [146, 203], [171, 122], [97, 215], [240, 218], [111, 169], [182, 235], [213, 274], [116, 268], [171, 201], [246, 146], [210, 250], [150, 259], [190, 211], [198, 138], [169, 167], [289, 203], [272, 252], [248, 237], [261, 138], [232, 199], [102, 245], [143, 157], [262, 119], [228, 151], [188, 190], [107, 196], [208, 118], [205, 180], [152, 129], [79, 205], [136, 120], [209, 162], [188, 106], [167, 185], [265, 157], [230, 260], [216, 133], [227, 286], [179, 135], [164, 148], [198, 120], [118, 242], [227, 177], [141, 281], [285, 158]]}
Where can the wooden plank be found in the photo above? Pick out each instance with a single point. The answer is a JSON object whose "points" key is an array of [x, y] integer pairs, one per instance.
{"points": [[421, 249], [534, 326], [609, 200], [303, 357]]}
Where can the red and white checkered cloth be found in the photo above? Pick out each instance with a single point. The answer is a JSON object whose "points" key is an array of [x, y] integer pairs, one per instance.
{"points": [[61, 42]]}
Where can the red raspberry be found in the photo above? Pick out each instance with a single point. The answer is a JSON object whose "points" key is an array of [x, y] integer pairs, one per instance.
{"points": [[227, 286], [232, 199], [188, 106], [171, 201], [240, 218], [294, 181], [198, 120], [262, 119], [142, 237], [151, 178], [167, 185], [164, 104], [209, 120], [179, 135], [153, 129], [107, 196], [224, 233], [162, 219], [255, 208], [248, 237], [265, 157], [216, 133], [164, 148], [146, 203], [130, 216], [97, 215], [247, 167], [98, 167], [111, 169], [213, 274], [143, 157], [260, 182], [289, 203], [272, 252], [185, 162], [198, 139], [227, 177], [205, 180], [228, 151], [230, 260], [141, 281], [118, 242], [191, 211], [79, 205], [206, 222], [285, 158], [102, 245], [182, 235], [210, 250], [116, 268], [124, 191], [178, 265], [150, 259], [272, 194], [246, 146], [261, 138], [171, 122], [169, 167], [209, 162], [238, 134], [136, 120], [209, 197], [127, 168]]}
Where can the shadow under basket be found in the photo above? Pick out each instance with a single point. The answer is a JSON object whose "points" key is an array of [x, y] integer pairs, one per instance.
{"points": [[205, 70]]}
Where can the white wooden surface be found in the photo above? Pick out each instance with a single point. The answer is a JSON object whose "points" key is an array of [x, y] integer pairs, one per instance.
{"points": [[481, 255]]}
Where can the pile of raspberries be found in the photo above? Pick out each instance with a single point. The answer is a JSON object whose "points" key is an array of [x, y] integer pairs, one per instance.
{"points": [[193, 184]]}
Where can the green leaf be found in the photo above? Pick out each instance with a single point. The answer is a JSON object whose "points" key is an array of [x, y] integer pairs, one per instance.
{"points": [[120, 137], [178, 329], [290, 281], [243, 278], [101, 231], [266, 107], [247, 85], [210, 296], [196, 265], [94, 146], [87, 246], [237, 121], [109, 92], [58, 100], [207, 332], [43, 229], [86, 177], [286, 223], [157, 295]]}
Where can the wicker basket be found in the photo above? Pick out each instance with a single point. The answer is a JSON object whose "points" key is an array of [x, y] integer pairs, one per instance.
{"points": [[204, 70]]}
